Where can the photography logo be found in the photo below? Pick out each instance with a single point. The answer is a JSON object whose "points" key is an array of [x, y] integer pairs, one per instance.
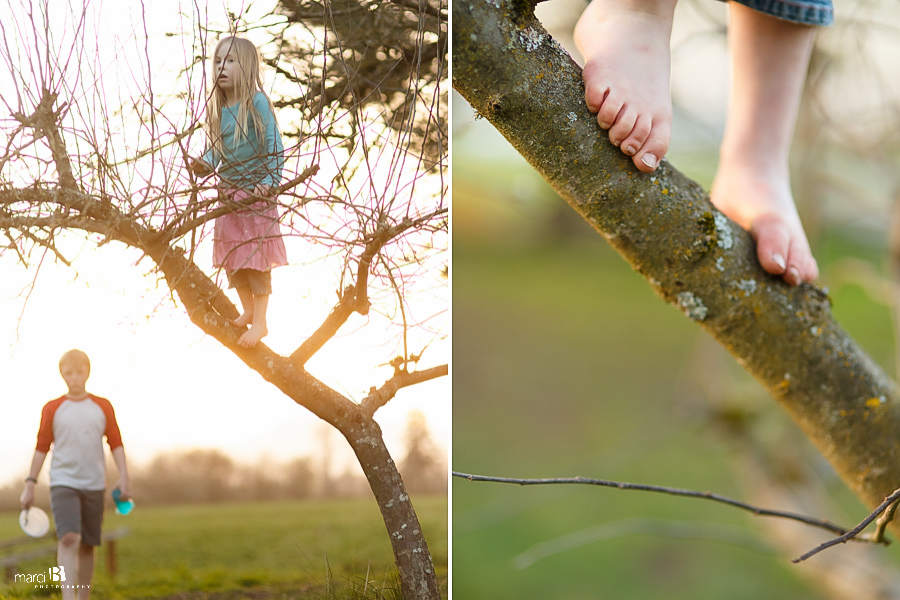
{"points": [[53, 575]]}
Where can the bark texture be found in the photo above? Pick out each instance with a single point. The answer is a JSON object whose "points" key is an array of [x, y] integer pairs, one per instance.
{"points": [[520, 79]]}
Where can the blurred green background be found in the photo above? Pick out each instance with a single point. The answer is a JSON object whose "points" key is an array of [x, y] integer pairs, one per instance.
{"points": [[566, 363]]}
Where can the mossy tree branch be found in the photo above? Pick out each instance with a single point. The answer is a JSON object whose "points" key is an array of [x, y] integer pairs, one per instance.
{"points": [[520, 79]]}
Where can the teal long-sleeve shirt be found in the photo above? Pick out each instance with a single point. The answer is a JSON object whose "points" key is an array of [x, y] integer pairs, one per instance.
{"points": [[245, 164]]}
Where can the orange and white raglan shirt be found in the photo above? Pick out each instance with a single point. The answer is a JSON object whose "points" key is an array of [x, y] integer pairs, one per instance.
{"points": [[76, 428]]}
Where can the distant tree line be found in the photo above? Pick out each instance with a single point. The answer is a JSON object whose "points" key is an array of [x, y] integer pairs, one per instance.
{"points": [[203, 475], [210, 475]]}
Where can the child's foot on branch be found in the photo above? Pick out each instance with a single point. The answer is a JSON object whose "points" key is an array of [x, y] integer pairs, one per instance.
{"points": [[252, 336], [243, 320], [625, 44], [762, 204]]}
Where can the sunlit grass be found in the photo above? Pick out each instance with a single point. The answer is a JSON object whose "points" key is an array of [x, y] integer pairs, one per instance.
{"points": [[333, 549]]}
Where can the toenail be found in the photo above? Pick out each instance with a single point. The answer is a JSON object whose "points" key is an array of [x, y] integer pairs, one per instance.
{"points": [[604, 125], [615, 143], [629, 150], [794, 275], [649, 160], [779, 260]]}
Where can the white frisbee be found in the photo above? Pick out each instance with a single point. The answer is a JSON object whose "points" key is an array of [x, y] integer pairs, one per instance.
{"points": [[34, 522]]}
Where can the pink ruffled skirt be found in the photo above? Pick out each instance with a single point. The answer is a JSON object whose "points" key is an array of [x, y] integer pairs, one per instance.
{"points": [[249, 237]]}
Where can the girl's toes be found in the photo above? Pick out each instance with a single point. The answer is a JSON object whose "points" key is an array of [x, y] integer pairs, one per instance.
{"points": [[809, 269], [654, 148], [813, 272], [621, 129], [792, 275], [635, 140], [773, 244], [596, 87], [608, 112]]}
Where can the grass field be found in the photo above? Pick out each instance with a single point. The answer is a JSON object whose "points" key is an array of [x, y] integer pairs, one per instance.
{"points": [[566, 363], [321, 549]]}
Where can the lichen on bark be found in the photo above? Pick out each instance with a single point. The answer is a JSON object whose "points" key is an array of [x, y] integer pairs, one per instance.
{"points": [[693, 256]]}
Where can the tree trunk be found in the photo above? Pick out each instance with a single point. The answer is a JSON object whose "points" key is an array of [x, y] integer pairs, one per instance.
{"points": [[200, 296], [209, 308], [414, 560], [520, 79]]}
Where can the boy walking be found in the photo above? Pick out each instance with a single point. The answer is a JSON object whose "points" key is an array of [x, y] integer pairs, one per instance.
{"points": [[74, 424]]}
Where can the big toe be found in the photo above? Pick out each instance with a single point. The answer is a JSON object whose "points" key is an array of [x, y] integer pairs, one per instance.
{"points": [[802, 267], [782, 251], [773, 244], [653, 149]]}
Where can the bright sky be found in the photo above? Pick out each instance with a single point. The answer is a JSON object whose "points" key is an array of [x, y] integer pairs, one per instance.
{"points": [[171, 386]]}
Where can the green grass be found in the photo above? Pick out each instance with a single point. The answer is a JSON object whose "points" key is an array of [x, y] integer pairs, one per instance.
{"points": [[324, 549], [566, 363]]}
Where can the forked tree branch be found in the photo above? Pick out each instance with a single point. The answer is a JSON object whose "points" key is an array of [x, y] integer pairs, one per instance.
{"points": [[381, 396], [354, 298], [886, 508], [519, 78]]}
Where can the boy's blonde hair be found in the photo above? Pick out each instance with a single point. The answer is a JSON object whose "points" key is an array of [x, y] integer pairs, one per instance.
{"points": [[75, 356], [246, 87]]}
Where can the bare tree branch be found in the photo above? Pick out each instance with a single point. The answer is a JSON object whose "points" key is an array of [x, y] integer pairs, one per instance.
{"points": [[519, 78], [178, 228], [354, 298], [890, 503], [762, 512], [378, 398]]}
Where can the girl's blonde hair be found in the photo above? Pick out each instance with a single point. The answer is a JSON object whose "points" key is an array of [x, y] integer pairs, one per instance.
{"points": [[246, 87]]}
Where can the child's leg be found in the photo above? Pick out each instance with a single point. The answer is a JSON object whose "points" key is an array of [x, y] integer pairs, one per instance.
{"points": [[91, 526], [258, 327], [247, 306], [66, 505], [67, 558], [752, 185], [253, 288], [625, 44], [85, 571]]}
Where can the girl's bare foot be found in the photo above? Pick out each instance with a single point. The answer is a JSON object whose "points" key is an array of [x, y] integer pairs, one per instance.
{"points": [[243, 320], [252, 336], [761, 202], [770, 58], [257, 317], [625, 44]]}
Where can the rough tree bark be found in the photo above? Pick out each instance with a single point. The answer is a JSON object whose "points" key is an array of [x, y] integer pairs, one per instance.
{"points": [[520, 79], [68, 206]]}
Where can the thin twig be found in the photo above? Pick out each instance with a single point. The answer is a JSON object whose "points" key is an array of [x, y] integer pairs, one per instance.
{"points": [[883, 521], [176, 229], [763, 512], [846, 537]]}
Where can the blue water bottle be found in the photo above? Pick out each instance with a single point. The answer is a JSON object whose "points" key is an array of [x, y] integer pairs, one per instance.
{"points": [[123, 507]]}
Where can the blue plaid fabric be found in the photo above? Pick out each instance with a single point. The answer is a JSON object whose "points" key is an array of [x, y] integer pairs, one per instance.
{"points": [[806, 12]]}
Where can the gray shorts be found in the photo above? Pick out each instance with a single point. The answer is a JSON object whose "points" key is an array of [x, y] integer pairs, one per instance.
{"points": [[77, 511], [259, 282]]}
